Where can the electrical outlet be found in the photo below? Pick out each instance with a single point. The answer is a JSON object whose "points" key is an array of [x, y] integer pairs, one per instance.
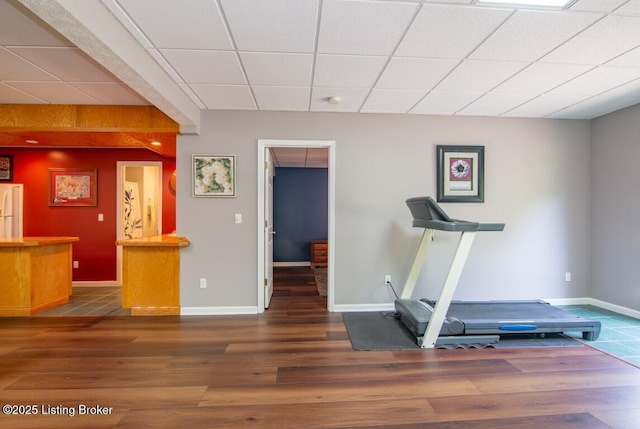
{"points": [[567, 276], [387, 279], [203, 283]]}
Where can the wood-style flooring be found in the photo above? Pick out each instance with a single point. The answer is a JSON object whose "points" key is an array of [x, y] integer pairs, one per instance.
{"points": [[292, 367]]}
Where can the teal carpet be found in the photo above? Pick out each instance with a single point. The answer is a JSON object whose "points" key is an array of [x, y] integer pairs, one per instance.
{"points": [[620, 335]]}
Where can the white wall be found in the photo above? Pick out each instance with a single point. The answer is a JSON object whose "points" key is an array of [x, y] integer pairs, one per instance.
{"points": [[537, 176], [616, 208]]}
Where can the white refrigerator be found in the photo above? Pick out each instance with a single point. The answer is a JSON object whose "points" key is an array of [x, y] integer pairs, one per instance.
{"points": [[11, 207]]}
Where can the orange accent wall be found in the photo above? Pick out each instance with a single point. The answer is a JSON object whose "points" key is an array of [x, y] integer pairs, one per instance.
{"points": [[96, 250]]}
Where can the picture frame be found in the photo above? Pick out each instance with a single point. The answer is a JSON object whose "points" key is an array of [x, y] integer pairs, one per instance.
{"points": [[6, 168], [460, 174], [73, 187], [214, 175]]}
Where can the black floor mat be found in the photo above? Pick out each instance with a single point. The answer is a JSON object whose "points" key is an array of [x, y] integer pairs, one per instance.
{"points": [[381, 331]]}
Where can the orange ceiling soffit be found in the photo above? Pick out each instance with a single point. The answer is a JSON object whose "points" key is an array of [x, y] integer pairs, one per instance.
{"points": [[88, 126], [83, 118]]}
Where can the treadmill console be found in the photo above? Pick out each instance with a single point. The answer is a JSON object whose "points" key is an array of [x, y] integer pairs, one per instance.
{"points": [[428, 214]]}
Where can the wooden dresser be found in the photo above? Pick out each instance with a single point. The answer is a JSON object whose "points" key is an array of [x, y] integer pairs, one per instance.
{"points": [[319, 253]]}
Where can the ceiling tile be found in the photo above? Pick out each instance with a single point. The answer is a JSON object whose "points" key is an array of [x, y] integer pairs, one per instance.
{"points": [[520, 38], [220, 67], [10, 95], [495, 104], [17, 68], [230, 97], [630, 8], [630, 59], [347, 71], [20, 27], [69, 64], [391, 100], [363, 27], [595, 107], [317, 157], [541, 77], [55, 92], [112, 93], [603, 41], [268, 69], [444, 103], [350, 99], [597, 81], [631, 89], [596, 5], [272, 25], [415, 73], [544, 105], [281, 98], [449, 31], [171, 24], [479, 76]]}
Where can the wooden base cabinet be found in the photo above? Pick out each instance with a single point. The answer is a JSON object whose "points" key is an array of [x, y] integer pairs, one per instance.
{"points": [[35, 274], [319, 253], [151, 274]]}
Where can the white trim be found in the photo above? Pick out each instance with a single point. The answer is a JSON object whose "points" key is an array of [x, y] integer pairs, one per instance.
{"points": [[344, 308], [263, 144], [94, 284], [615, 308], [569, 301], [292, 264], [217, 311]]}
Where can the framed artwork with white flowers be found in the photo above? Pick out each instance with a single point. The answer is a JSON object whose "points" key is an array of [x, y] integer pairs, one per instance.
{"points": [[460, 173], [214, 175]]}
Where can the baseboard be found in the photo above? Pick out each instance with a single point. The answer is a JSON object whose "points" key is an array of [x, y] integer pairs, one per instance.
{"points": [[343, 308], [217, 311], [615, 308], [95, 284], [292, 264], [569, 301]]}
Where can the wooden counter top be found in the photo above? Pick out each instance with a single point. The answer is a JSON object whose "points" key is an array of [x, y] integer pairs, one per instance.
{"points": [[34, 241], [166, 240]]}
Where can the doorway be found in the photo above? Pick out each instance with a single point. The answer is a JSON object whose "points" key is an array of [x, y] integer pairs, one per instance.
{"points": [[265, 225], [139, 203]]}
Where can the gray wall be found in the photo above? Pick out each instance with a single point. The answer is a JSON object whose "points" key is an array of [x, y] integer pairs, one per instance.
{"points": [[537, 176], [616, 208]]}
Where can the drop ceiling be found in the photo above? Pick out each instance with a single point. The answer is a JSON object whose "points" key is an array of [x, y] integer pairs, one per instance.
{"points": [[396, 57]]}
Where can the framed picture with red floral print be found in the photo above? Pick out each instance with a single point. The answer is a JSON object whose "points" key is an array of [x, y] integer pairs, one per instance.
{"points": [[73, 187], [460, 174]]}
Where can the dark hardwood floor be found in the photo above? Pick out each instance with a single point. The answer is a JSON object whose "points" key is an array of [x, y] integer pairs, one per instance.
{"points": [[292, 367]]}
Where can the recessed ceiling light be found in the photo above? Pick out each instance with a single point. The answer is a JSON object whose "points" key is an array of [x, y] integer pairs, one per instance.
{"points": [[156, 143], [31, 141], [528, 4]]}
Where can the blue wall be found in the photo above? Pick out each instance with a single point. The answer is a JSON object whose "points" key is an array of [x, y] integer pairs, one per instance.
{"points": [[300, 204]]}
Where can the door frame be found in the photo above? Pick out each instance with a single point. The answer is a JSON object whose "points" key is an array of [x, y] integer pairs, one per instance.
{"points": [[120, 165], [264, 145]]}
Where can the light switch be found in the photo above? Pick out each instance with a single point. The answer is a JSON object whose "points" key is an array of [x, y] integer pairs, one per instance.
{"points": [[238, 217], [100, 217]]}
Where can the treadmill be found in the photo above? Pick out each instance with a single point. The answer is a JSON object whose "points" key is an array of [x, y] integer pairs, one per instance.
{"points": [[444, 323]]}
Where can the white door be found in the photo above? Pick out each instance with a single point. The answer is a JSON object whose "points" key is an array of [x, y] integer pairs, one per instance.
{"points": [[268, 228]]}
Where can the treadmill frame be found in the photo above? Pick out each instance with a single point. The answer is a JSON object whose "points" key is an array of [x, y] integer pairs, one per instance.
{"points": [[428, 215], [439, 312]]}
